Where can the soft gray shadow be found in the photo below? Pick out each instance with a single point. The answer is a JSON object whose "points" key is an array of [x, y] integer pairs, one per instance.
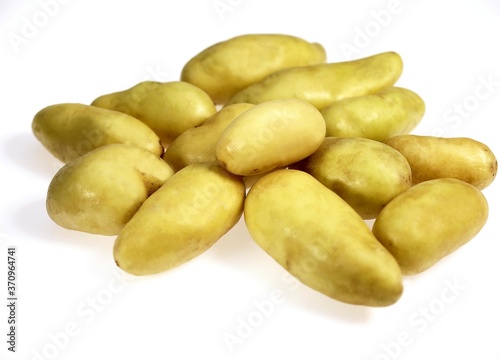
{"points": [[31, 219], [26, 152], [238, 251]]}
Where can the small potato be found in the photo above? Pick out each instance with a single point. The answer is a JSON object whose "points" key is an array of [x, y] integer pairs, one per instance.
{"points": [[365, 173], [69, 131], [100, 191], [227, 67], [430, 221], [198, 144], [317, 237], [390, 112], [270, 135], [168, 108], [323, 84], [433, 157]]}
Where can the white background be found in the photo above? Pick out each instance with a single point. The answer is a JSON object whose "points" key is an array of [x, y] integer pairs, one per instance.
{"points": [[82, 49]]}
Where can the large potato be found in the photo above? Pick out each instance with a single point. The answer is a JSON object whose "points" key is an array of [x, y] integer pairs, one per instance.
{"points": [[320, 239], [181, 220], [390, 112], [169, 108], [99, 192], [270, 135], [69, 131], [198, 144], [433, 157], [365, 173], [227, 67], [429, 221], [323, 84]]}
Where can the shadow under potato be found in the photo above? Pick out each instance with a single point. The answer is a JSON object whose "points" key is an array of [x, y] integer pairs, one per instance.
{"points": [[24, 151]]}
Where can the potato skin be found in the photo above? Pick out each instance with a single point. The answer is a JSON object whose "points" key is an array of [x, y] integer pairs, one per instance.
{"points": [[430, 221], [71, 130], [270, 135], [390, 112], [168, 108], [461, 158], [323, 84], [225, 68], [317, 237], [365, 173]]}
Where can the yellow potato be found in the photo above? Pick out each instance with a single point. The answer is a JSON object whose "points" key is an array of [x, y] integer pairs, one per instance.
{"points": [[270, 135], [460, 158], [317, 237], [181, 220], [227, 67], [390, 112], [198, 144], [99, 192], [169, 108], [430, 221], [365, 173], [323, 84], [69, 131]]}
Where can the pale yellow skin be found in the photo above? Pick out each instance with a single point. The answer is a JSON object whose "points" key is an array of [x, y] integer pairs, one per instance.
{"points": [[225, 68], [270, 135], [99, 192], [198, 144], [433, 157], [430, 221], [390, 112], [69, 131], [317, 237], [323, 84], [365, 173], [183, 219], [168, 108]]}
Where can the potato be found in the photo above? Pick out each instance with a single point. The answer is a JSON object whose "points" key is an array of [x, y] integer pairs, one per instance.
{"points": [[100, 191], [365, 173], [69, 131], [198, 144], [227, 67], [181, 220], [270, 135], [390, 112], [169, 108], [323, 84], [430, 221], [433, 157], [317, 237]]}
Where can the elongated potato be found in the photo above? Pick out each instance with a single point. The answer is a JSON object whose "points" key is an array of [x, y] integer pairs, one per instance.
{"points": [[365, 173], [323, 84], [181, 220], [320, 239], [69, 131], [433, 157], [198, 144], [390, 112], [225, 68], [430, 221], [270, 135], [169, 108]]}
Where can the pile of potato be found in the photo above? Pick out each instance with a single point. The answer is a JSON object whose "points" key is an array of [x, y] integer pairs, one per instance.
{"points": [[261, 125]]}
